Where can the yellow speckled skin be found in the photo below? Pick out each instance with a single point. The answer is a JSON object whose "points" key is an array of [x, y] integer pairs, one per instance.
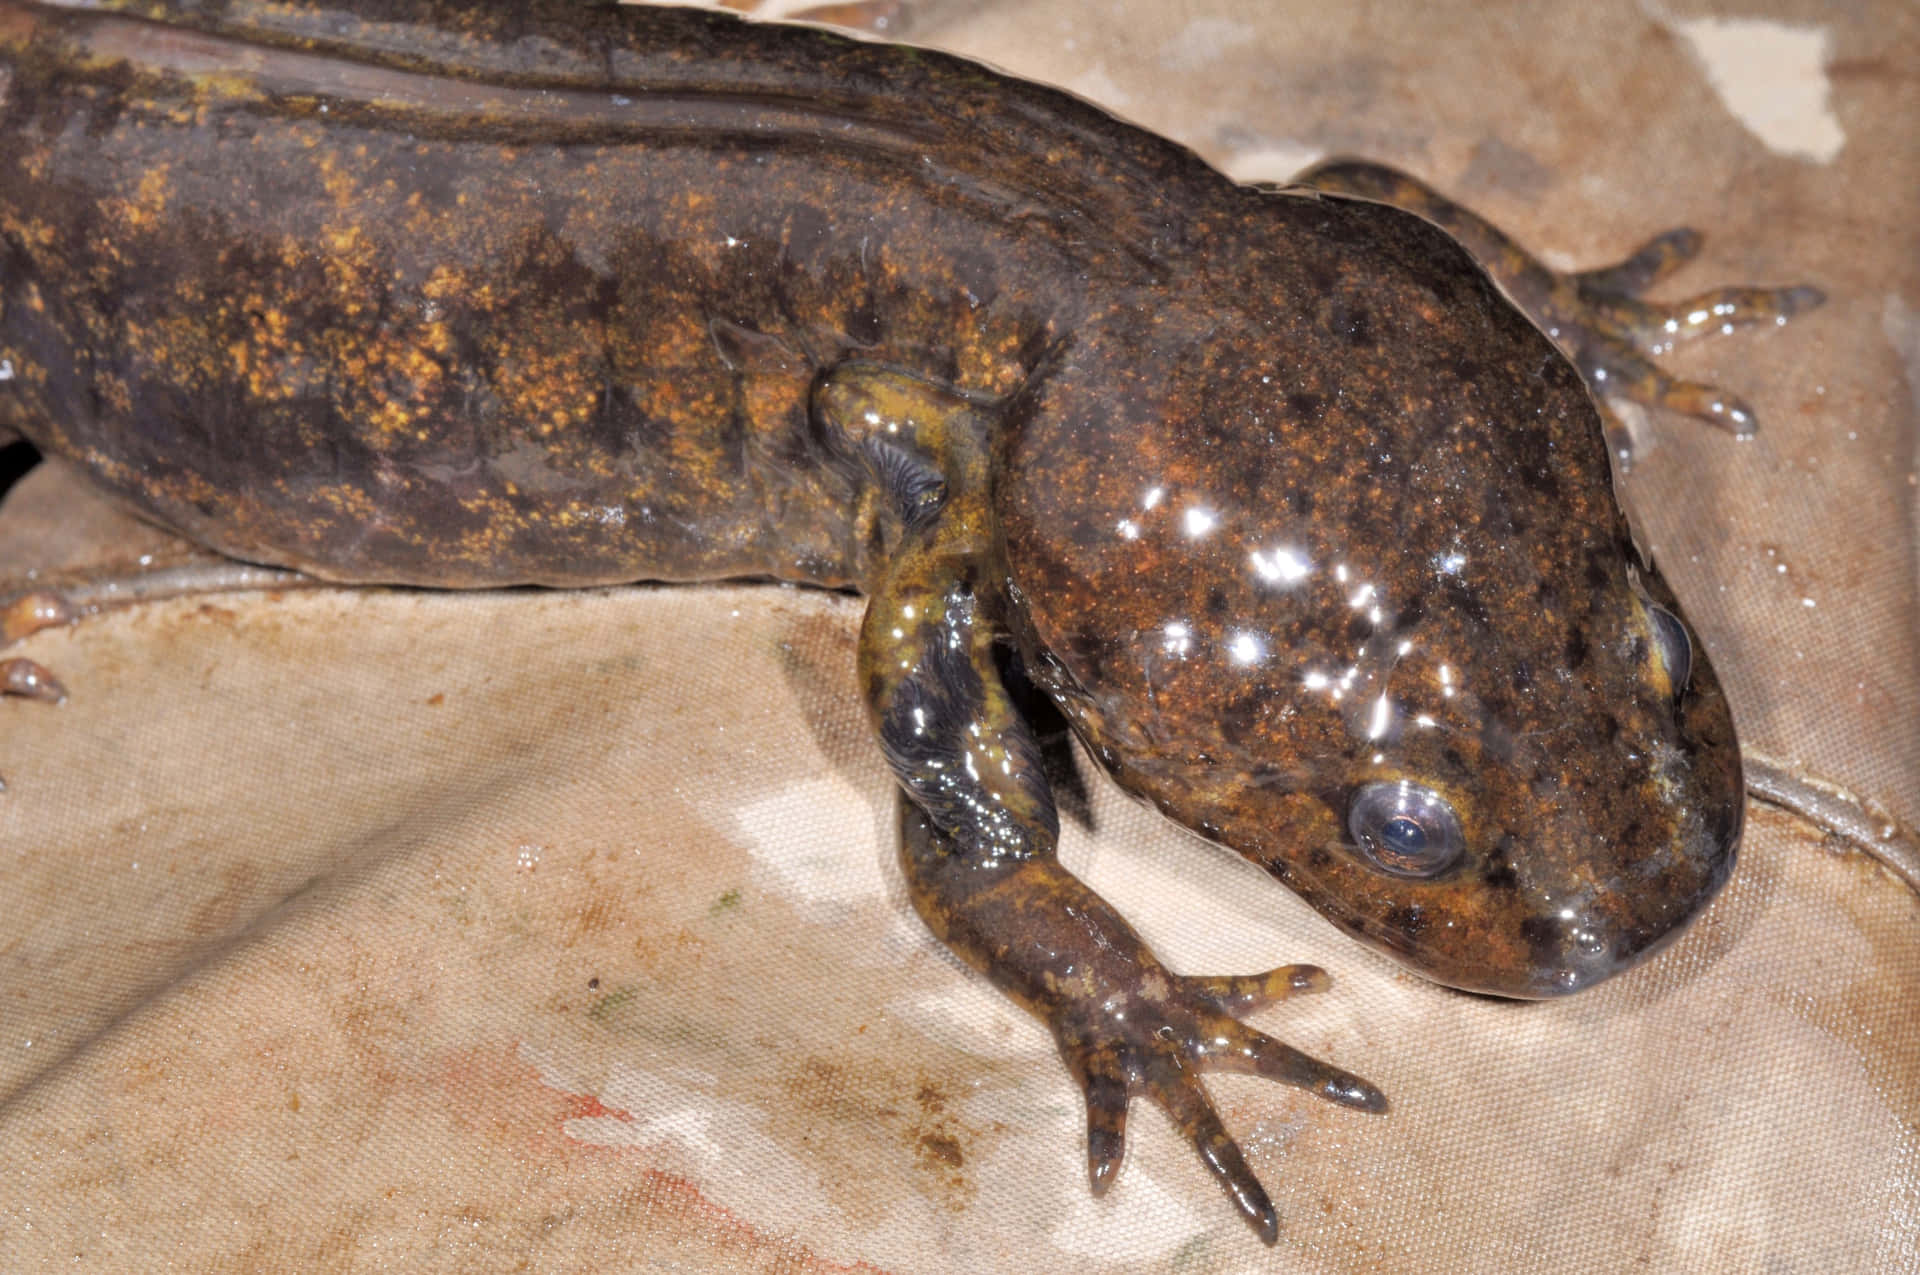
{"points": [[381, 320], [1307, 532]]}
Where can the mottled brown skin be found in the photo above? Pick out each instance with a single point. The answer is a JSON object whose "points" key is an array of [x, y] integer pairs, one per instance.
{"points": [[1597, 316], [397, 326], [1430, 469], [1272, 491]]}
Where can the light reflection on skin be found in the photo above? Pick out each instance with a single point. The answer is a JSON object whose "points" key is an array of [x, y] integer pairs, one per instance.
{"points": [[1382, 717], [1281, 566], [1373, 711], [1246, 648]]}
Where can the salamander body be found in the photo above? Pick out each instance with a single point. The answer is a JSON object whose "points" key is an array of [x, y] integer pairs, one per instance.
{"points": [[1307, 532]]}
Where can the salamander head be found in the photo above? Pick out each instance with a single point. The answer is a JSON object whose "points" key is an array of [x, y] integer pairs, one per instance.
{"points": [[1347, 590]]}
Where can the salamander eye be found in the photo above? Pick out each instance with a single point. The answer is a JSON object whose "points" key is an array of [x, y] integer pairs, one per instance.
{"points": [[1671, 646], [1406, 829]]}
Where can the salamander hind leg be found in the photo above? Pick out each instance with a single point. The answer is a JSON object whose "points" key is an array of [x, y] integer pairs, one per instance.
{"points": [[978, 825], [66, 598], [1597, 317]]}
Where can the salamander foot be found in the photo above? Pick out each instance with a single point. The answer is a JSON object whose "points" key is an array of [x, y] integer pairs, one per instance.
{"points": [[1126, 1025], [1597, 317], [1155, 1042]]}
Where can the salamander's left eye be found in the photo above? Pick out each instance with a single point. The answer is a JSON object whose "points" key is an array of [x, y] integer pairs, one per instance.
{"points": [[1672, 645], [1405, 828]]}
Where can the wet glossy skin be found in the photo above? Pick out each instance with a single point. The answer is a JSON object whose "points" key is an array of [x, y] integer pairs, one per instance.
{"points": [[1309, 533], [1382, 546]]}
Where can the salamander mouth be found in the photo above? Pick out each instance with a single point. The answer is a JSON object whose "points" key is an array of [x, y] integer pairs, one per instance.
{"points": [[1645, 906], [1539, 932]]}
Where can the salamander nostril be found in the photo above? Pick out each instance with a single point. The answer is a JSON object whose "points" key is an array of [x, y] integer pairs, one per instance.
{"points": [[1573, 950], [1585, 942]]}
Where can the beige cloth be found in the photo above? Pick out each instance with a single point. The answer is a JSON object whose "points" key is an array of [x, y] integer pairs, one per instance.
{"points": [[561, 932]]}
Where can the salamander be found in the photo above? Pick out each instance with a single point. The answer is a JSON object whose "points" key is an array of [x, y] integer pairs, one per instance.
{"points": [[1273, 494]]}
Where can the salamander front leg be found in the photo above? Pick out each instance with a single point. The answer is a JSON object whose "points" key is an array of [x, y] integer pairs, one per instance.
{"points": [[1596, 316], [1125, 1025], [978, 827]]}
